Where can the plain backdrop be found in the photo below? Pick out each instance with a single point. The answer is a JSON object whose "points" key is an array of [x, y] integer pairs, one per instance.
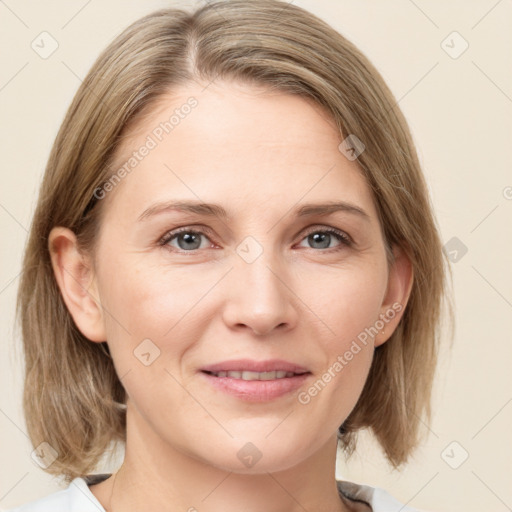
{"points": [[458, 102]]}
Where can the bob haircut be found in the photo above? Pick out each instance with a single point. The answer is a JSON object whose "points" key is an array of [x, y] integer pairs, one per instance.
{"points": [[72, 397]]}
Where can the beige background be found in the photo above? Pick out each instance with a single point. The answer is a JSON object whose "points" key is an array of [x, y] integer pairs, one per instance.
{"points": [[459, 110]]}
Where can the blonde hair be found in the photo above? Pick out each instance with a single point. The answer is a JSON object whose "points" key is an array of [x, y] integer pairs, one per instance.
{"points": [[72, 394]]}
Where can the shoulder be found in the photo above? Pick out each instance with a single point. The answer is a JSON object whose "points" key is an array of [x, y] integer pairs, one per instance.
{"points": [[375, 498], [77, 497]]}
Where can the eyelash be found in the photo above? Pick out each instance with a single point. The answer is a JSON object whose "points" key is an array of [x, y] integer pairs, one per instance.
{"points": [[344, 239]]}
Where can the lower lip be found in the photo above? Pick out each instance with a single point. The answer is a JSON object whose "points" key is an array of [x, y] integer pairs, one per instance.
{"points": [[257, 390]]}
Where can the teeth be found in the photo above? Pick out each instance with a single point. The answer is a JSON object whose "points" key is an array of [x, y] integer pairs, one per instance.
{"points": [[246, 375]]}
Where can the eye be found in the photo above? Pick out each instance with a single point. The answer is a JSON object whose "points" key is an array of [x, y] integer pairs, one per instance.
{"points": [[186, 239], [190, 240], [322, 238]]}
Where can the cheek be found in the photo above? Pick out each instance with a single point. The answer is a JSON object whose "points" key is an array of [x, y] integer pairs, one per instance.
{"points": [[152, 302], [349, 308], [347, 300], [158, 311]]}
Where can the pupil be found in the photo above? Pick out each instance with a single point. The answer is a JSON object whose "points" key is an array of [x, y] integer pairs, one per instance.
{"points": [[322, 238], [189, 239]]}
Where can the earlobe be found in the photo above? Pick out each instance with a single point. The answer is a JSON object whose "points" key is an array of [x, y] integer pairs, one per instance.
{"points": [[400, 281], [75, 277]]}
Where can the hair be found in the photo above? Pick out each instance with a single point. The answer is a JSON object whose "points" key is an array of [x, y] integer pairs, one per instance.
{"points": [[72, 397]]}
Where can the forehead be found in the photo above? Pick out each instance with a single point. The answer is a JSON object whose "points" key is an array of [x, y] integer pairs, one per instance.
{"points": [[237, 140], [251, 115]]}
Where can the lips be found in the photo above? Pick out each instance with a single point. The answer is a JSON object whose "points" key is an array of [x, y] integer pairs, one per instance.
{"points": [[250, 365], [256, 381], [247, 375]]}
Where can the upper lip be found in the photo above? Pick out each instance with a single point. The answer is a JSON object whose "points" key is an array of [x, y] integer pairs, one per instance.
{"points": [[251, 365]]}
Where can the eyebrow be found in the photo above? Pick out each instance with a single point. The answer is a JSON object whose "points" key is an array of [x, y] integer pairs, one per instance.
{"points": [[215, 210]]}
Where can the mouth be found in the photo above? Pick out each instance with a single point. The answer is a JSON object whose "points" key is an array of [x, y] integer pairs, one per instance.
{"points": [[248, 375], [254, 381]]}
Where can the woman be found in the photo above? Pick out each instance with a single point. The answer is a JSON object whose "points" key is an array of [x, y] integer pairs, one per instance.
{"points": [[233, 267]]}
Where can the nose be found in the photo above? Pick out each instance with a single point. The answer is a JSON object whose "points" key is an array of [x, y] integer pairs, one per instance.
{"points": [[260, 297]]}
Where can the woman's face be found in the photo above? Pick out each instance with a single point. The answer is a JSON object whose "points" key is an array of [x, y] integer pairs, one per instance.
{"points": [[258, 282]]}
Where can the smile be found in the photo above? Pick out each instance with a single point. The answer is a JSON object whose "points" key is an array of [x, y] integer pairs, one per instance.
{"points": [[252, 386], [248, 375]]}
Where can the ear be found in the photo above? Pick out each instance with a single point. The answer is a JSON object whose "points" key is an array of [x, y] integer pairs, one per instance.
{"points": [[399, 287], [77, 283]]}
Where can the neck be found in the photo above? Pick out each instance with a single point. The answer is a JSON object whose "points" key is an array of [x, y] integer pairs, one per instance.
{"points": [[156, 475]]}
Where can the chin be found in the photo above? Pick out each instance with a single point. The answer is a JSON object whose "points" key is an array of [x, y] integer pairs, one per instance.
{"points": [[249, 459]]}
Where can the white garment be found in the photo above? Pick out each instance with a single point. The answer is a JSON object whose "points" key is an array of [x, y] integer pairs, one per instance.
{"points": [[77, 497]]}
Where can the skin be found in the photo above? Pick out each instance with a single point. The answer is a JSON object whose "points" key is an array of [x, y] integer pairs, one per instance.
{"points": [[260, 155]]}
